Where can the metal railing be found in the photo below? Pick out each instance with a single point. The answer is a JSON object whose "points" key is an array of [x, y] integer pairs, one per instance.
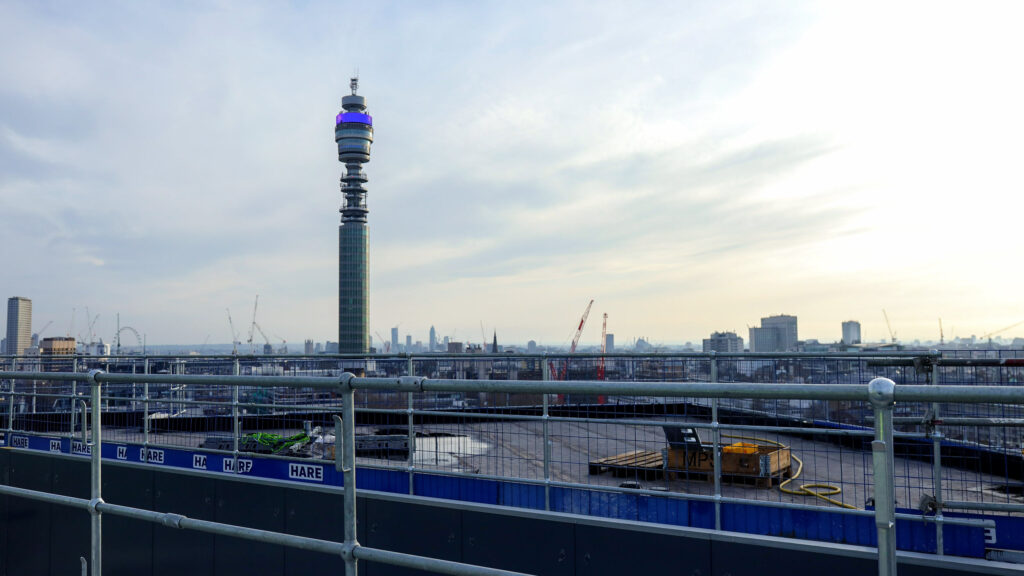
{"points": [[880, 394]]}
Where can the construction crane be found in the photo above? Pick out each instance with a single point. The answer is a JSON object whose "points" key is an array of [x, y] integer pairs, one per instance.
{"points": [[1000, 331], [265, 339], [384, 341], [604, 346], [892, 335], [252, 326], [235, 335], [576, 338], [39, 335], [90, 331]]}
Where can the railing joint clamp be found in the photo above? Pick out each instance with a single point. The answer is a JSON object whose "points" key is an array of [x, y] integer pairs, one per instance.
{"points": [[173, 520], [94, 505], [348, 549], [345, 382], [415, 382], [93, 376], [881, 392]]}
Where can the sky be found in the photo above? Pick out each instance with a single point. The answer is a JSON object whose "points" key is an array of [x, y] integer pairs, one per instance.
{"points": [[690, 166]]}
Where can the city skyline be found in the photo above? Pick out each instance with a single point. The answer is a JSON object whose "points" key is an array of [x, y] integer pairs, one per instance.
{"points": [[692, 168]]}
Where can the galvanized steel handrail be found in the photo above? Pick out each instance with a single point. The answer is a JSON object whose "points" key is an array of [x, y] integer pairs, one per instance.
{"points": [[904, 393], [881, 392]]}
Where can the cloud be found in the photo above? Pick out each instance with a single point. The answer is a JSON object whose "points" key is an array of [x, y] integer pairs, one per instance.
{"points": [[691, 166]]}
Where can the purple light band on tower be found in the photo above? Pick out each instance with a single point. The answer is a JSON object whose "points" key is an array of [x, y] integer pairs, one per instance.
{"points": [[354, 117]]}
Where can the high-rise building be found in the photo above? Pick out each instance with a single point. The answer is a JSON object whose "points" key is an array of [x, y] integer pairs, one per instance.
{"points": [[851, 332], [19, 325], [307, 347], [723, 342], [609, 342], [433, 340], [763, 339], [531, 347], [785, 325], [776, 334], [353, 132], [408, 343], [394, 340]]}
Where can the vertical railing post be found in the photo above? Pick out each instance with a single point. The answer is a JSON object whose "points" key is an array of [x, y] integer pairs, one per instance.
{"points": [[880, 393], [411, 448], [546, 375], [716, 438], [133, 387], [74, 396], [96, 478], [10, 407], [347, 435], [937, 459], [145, 411], [236, 424]]}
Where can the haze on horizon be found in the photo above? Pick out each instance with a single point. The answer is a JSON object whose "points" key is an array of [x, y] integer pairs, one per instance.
{"points": [[690, 166]]}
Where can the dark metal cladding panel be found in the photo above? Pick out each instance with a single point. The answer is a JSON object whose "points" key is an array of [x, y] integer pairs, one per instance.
{"points": [[5, 479], [255, 506], [528, 545], [177, 552], [317, 515], [127, 543], [29, 542], [423, 530], [904, 569], [741, 558], [608, 551], [69, 532]]}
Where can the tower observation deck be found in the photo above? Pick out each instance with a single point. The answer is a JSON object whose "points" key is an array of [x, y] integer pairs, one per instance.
{"points": [[353, 132]]}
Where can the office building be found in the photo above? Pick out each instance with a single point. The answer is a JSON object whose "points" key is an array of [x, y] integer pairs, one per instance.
{"points": [[394, 339], [353, 132], [50, 350], [763, 339], [433, 340], [785, 325], [19, 325], [723, 342], [776, 334], [851, 332], [609, 342]]}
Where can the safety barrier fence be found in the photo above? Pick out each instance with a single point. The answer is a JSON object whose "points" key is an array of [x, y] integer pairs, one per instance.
{"points": [[713, 394]]}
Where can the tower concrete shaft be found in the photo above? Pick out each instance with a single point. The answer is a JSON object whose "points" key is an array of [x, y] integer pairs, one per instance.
{"points": [[353, 132]]}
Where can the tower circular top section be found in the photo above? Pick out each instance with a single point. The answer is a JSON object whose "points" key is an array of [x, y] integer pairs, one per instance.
{"points": [[353, 102]]}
